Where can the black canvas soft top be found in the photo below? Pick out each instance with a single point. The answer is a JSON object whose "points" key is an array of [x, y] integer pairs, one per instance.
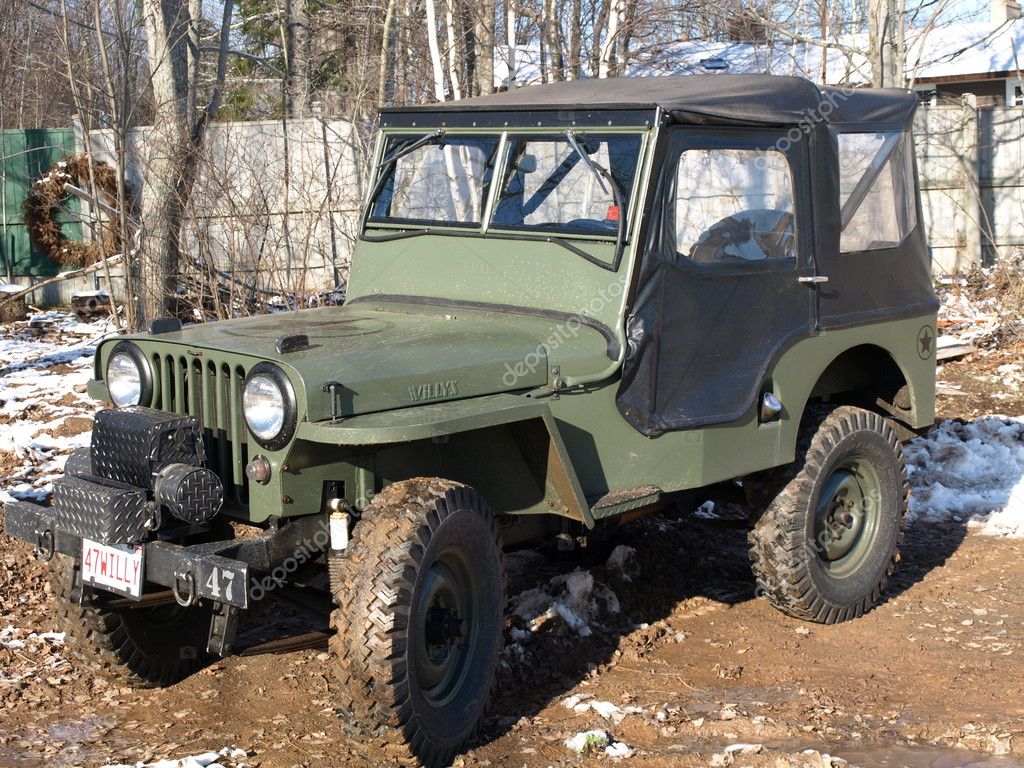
{"points": [[700, 99]]}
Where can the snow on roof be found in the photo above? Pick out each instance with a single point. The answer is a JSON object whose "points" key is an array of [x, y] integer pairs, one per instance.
{"points": [[961, 49], [799, 59], [952, 50]]}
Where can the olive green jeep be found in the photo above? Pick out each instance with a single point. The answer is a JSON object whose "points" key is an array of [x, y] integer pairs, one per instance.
{"points": [[568, 304]]}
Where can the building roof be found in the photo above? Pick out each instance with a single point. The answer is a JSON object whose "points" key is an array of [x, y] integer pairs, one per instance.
{"points": [[740, 99], [960, 50]]}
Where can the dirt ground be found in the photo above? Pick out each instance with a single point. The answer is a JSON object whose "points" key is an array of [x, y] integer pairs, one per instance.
{"points": [[932, 677]]}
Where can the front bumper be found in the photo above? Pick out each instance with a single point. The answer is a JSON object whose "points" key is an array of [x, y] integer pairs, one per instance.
{"points": [[142, 485], [211, 571]]}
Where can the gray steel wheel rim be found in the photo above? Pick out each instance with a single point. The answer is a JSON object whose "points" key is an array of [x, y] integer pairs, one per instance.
{"points": [[441, 668], [847, 517]]}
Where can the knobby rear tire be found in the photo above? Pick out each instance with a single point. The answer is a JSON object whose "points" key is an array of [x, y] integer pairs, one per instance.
{"points": [[788, 550]]}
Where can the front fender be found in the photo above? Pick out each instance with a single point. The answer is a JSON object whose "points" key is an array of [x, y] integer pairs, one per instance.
{"points": [[529, 421]]}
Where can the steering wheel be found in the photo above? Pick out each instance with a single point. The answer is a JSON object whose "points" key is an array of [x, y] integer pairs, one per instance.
{"points": [[752, 235], [593, 224]]}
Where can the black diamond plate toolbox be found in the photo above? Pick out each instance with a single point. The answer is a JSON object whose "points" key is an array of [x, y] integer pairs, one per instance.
{"points": [[105, 513], [132, 444]]}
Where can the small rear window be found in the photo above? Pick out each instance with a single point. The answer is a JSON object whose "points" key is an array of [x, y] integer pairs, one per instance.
{"points": [[876, 190]]}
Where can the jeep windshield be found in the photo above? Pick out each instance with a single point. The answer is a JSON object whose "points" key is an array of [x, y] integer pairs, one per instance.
{"points": [[435, 180], [555, 183], [563, 183]]}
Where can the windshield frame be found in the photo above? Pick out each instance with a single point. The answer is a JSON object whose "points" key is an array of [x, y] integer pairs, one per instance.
{"points": [[373, 229]]}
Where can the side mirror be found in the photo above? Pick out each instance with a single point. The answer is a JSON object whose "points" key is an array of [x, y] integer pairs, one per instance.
{"points": [[527, 164]]}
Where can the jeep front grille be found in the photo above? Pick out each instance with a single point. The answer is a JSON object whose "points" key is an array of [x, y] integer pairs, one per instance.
{"points": [[212, 392]]}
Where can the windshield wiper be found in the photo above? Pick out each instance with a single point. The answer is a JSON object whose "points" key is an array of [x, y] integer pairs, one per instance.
{"points": [[387, 162], [599, 172], [602, 174]]}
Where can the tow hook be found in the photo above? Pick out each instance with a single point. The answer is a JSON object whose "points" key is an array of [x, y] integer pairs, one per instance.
{"points": [[190, 595], [44, 545]]}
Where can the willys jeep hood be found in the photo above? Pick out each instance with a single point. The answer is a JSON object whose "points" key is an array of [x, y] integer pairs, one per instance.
{"points": [[382, 355]]}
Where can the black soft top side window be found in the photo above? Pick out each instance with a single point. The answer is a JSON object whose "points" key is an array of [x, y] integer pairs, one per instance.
{"points": [[734, 199], [876, 190]]}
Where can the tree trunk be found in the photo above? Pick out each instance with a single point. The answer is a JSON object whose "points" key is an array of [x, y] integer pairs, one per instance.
{"points": [[627, 23], [607, 60], [167, 30], [385, 55], [510, 42], [826, 32], [435, 52], [195, 18], [453, 50], [174, 145], [595, 38], [885, 53], [297, 57], [483, 34], [575, 66], [552, 41]]}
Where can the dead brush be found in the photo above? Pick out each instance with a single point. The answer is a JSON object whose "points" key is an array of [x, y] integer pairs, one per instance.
{"points": [[1005, 286]]}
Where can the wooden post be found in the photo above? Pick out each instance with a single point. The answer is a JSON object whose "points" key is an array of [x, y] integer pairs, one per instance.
{"points": [[969, 161]]}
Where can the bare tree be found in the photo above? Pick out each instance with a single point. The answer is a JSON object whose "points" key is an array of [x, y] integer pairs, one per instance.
{"points": [[297, 57], [886, 36], [453, 52], [435, 51], [178, 135], [616, 11], [483, 36]]}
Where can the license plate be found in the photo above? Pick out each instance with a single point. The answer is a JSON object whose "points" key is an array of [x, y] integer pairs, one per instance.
{"points": [[116, 568]]}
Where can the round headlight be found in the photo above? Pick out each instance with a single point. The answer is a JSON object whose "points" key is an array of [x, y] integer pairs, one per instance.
{"points": [[268, 403], [128, 376]]}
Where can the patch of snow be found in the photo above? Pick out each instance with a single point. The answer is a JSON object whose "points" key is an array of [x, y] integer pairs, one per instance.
{"points": [[618, 749], [518, 634], [36, 397], [573, 701], [623, 562], [706, 511], [586, 741], [606, 709], [970, 472], [595, 741], [744, 749], [14, 638], [223, 757], [573, 597]]}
